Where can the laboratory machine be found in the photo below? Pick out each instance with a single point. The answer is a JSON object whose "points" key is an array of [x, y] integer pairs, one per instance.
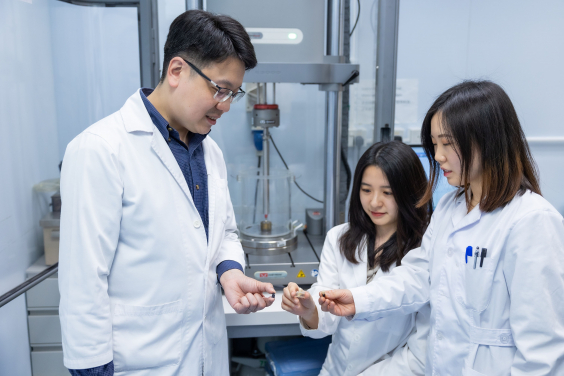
{"points": [[289, 39]]}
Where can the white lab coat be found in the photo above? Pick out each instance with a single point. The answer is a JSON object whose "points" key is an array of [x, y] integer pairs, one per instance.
{"points": [[136, 274], [356, 345], [505, 318]]}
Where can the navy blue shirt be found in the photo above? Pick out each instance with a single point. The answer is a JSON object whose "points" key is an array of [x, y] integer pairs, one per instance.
{"points": [[190, 158]]}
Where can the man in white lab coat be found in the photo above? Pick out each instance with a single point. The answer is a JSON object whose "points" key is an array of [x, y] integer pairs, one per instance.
{"points": [[147, 226]]}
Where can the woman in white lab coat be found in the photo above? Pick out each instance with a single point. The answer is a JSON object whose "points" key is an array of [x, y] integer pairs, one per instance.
{"points": [[492, 260], [384, 225]]}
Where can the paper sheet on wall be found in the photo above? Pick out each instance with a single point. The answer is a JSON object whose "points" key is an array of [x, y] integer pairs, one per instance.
{"points": [[362, 98], [407, 91], [361, 120]]}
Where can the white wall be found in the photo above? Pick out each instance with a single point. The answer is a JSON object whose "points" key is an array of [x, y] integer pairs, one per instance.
{"points": [[517, 44], [28, 154]]}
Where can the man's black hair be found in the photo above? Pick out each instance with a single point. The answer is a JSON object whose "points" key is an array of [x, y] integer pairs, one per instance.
{"points": [[204, 38]]}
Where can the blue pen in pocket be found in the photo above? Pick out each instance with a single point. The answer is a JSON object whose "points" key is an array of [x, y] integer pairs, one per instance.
{"points": [[468, 253]]}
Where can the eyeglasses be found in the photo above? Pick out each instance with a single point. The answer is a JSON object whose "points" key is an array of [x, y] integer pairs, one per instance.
{"points": [[222, 93]]}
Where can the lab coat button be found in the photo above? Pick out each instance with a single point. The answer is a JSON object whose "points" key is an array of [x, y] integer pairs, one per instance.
{"points": [[439, 336], [357, 338], [449, 253], [503, 338], [197, 223]]}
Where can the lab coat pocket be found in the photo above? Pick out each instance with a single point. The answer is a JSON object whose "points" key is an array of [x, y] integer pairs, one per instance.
{"points": [[474, 287], [146, 337]]}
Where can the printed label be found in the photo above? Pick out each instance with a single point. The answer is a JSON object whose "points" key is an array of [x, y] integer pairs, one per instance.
{"points": [[271, 274], [314, 273], [301, 274]]}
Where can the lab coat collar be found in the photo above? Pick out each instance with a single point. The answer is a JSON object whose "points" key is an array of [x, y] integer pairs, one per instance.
{"points": [[460, 218], [163, 151], [135, 115], [137, 119]]}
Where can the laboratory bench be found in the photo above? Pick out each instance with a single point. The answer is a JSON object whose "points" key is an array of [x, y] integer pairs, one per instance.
{"points": [[45, 329]]}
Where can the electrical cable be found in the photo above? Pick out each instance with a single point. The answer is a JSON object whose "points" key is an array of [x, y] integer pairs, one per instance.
{"points": [[357, 17], [347, 171], [311, 245], [295, 182], [256, 192]]}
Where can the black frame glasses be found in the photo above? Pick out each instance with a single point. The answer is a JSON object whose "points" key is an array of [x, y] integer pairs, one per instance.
{"points": [[222, 93]]}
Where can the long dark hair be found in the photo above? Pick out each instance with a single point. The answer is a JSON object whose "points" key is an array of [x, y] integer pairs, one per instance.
{"points": [[408, 182], [480, 117]]}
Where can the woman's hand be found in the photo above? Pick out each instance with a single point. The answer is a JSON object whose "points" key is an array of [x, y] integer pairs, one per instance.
{"points": [[337, 302], [305, 307]]}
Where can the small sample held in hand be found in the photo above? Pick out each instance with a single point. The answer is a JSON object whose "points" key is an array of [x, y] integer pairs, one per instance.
{"points": [[300, 294]]}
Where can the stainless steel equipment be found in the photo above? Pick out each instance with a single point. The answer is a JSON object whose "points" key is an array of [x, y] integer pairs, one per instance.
{"points": [[293, 44]]}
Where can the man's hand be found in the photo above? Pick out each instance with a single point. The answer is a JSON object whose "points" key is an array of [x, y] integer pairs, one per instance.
{"points": [[338, 302], [244, 294], [305, 308]]}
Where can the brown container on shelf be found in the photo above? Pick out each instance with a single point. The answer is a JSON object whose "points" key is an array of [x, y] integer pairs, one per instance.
{"points": [[51, 226]]}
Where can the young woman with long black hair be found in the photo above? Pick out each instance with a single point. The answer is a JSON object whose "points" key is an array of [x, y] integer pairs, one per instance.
{"points": [[492, 260], [384, 224]]}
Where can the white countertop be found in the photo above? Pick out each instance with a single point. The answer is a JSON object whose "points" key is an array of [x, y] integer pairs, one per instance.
{"points": [[273, 315]]}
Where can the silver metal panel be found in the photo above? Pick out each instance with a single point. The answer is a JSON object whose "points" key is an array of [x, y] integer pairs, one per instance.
{"points": [[386, 69], [304, 259], [44, 295], [48, 363], [304, 73], [308, 16], [44, 329], [263, 331]]}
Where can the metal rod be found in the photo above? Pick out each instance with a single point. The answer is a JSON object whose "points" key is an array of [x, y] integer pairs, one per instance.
{"points": [[332, 161], [386, 69], [194, 4], [334, 100], [274, 92], [28, 284], [266, 171]]}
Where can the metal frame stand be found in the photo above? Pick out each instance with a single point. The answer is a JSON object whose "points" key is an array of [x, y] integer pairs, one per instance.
{"points": [[386, 70]]}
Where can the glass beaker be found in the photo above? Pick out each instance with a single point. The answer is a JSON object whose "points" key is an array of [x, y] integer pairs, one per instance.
{"points": [[265, 211]]}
